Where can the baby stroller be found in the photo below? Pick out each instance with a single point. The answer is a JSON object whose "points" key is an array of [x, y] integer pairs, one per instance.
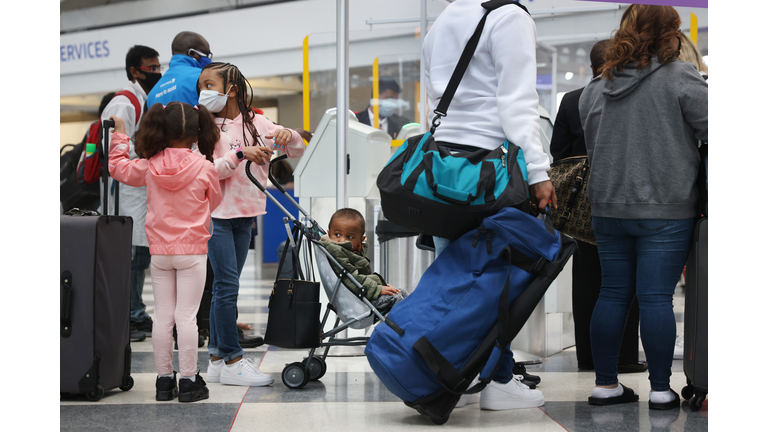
{"points": [[353, 310]]}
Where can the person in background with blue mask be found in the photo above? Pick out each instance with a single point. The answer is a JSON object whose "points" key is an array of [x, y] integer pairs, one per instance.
{"points": [[389, 121], [191, 53]]}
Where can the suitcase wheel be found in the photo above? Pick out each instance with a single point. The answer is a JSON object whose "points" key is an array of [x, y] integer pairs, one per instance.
{"points": [[96, 394], [128, 385], [439, 420], [294, 376], [697, 401]]}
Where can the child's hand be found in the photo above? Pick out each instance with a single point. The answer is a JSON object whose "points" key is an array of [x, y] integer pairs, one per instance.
{"points": [[119, 124], [389, 289], [282, 137], [258, 154]]}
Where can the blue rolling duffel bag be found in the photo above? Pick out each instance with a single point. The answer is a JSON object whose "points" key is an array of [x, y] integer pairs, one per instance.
{"points": [[444, 189], [469, 305]]}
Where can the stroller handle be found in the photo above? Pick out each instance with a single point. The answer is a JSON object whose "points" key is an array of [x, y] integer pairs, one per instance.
{"points": [[280, 187], [288, 214]]}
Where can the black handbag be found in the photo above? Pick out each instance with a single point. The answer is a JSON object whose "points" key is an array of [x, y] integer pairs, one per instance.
{"points": [[294, 308], [574, 216]]}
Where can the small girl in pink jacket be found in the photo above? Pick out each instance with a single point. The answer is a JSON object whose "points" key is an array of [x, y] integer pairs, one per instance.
{"points": [[182, 191]]}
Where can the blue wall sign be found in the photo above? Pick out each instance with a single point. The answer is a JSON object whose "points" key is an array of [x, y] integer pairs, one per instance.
{"points": [[84, 50]]}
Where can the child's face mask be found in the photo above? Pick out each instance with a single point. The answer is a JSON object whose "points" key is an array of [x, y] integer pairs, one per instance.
{"points": [[213, 100]]}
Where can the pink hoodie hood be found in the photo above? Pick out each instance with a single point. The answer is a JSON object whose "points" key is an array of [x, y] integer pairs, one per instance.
{"points": [[182, 191], [175, 168]]}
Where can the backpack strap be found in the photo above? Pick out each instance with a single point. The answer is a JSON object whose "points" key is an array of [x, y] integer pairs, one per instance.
{"points": [[466, 56], [134, 101]]}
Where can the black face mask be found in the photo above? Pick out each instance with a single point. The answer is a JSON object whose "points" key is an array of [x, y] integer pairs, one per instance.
{"points": [[150, 79]]}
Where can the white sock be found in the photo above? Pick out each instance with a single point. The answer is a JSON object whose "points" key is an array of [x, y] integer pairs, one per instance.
{"points": [[217, 362], [662, 396], [166, 376], [191, 378], [602, 393]]}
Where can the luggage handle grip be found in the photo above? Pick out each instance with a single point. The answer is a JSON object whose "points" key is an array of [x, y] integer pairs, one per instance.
{"points": [[66, 304], [106, 125]]}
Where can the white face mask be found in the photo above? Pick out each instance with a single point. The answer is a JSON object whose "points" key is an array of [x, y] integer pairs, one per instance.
{"points": [[213, 100], [387, 107]]}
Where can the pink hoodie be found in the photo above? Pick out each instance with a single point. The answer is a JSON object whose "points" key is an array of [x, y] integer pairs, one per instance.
{"points": [[241, 197], [182, 191]]}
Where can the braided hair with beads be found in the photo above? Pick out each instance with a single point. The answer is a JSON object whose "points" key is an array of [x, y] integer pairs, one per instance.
{"points": [[232, 75]]}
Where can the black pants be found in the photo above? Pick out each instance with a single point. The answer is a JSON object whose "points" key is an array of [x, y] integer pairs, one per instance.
{"points": [[586, 290]]}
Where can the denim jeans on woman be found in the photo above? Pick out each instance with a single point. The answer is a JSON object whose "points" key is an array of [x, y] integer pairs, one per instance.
{"points": [[642, 257], [227, 250], [504, 374]]}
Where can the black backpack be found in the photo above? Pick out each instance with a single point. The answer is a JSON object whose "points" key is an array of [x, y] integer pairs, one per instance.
{"points": [[71, 194]]}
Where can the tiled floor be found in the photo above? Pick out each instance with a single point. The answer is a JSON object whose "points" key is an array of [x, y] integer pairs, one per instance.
{"points": [[350, 396]]}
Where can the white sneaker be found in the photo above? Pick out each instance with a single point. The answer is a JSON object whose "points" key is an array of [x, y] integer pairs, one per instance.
{"points": [[244, 373], [679, 348], [214, 371], [468, 399], [512, 395]]}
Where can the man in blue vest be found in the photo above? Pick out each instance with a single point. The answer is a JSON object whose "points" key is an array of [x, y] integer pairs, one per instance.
{"points": [[191, 53]]}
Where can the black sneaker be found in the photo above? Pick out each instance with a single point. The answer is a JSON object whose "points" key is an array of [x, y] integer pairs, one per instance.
{"points": [[192, 391], [145, 326], [165, 388], [137, 336], [249, 341], [519, 369]]}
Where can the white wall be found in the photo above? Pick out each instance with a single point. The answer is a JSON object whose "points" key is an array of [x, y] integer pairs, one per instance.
{"points": [[267, 40]]}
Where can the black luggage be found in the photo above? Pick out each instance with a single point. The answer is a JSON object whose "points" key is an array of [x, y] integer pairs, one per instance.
{"points": [[95, 266], [695, 334], [695, 346]]}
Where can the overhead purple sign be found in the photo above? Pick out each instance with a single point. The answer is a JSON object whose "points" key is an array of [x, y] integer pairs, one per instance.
{"points": [[683, 3]]}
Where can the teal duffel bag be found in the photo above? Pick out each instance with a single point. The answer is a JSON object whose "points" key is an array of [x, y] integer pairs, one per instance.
{"points": [[447, 190], [444, 189]]}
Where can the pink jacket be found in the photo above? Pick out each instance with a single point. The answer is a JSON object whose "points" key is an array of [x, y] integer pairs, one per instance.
{"points": [[241, 198], [182, 191]]}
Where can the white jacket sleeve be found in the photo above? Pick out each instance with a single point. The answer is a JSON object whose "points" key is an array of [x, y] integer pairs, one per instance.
{"points": [[512, 44], [122, 107]]}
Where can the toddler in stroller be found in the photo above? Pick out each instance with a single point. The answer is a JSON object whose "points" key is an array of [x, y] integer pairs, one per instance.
{"points": [[345, 241]]}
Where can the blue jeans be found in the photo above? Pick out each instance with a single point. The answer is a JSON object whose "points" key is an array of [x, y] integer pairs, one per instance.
{"points": [[227, 250], [140, 260], [504, 374], [642, 257]]}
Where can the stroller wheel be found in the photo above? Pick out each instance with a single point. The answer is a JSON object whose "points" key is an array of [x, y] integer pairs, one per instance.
{"points": [[317, 368], [294, 376]]}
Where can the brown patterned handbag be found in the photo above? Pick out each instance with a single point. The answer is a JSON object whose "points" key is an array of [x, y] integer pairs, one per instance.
{"points": [[569, 177]]}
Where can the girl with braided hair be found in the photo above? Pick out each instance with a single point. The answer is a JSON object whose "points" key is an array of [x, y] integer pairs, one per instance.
{"points": [[244, 135]]}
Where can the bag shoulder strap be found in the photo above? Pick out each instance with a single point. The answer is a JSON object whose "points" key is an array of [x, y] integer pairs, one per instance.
{"points": [[134, 101], [466, 56]]}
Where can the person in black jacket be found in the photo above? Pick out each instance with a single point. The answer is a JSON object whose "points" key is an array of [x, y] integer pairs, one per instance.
{"points": [[389, 121], [568, 141]]}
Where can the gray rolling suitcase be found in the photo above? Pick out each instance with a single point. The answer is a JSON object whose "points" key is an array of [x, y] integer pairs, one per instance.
{"points": [[95, 267], [695, 334]]}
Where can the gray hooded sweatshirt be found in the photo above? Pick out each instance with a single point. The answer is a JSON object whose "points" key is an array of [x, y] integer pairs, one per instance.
{"points": [[642, 131]]}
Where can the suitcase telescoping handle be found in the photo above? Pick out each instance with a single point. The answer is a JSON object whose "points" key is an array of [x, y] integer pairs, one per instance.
{"points": [[106, 126]]}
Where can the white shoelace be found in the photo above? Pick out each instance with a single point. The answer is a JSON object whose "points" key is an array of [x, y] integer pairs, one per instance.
{"points": [[249, 364]]}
